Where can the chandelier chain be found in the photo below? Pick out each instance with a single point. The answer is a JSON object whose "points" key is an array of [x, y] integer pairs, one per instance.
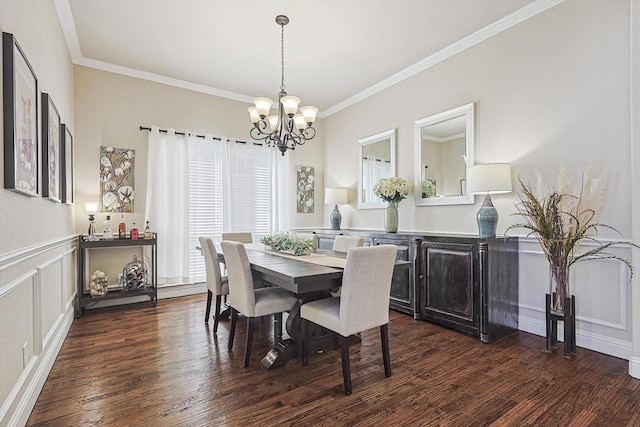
{"points": [[282, 86]]}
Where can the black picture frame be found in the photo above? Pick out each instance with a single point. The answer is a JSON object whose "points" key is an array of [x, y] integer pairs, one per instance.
{"points": [[51, 151], [67, 164], [20, 120]]}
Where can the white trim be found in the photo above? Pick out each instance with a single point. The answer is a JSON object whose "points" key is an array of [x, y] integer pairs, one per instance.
{"points": [[30, 396], [485, 33], [13, 258], [590, 341], [181, 290], [634, 367], [5, 290]]}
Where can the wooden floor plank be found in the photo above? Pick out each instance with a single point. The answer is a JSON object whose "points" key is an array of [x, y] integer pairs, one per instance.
{"points": [[162, 366]]}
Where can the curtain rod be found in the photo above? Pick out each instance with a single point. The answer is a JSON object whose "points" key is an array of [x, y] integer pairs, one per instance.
{"points": [[196, 135]]}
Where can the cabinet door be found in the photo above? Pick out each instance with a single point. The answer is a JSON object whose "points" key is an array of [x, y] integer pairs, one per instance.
{"points": [[402, 282], [449, 285]]}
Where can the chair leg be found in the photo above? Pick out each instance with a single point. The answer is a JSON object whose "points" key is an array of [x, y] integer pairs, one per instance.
{"points": [[306, 335], [232, 332], [384, 337], [216, 316], [346, 368], [247, 348], [206, 314]]}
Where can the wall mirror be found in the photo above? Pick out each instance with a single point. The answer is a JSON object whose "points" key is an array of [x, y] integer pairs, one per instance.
{"points": [[376, 159], [444, 148]]}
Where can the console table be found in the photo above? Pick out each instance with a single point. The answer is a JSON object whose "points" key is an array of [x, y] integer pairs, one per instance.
{"points": [[84, 245], [466, 283]]}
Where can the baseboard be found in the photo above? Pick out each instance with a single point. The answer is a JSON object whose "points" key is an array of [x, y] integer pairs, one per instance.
{"points": [[181, 290], [34, 386], [634, 367], [590, 341]]}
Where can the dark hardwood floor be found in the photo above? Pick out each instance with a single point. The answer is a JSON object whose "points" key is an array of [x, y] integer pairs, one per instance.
{"points": [[139, 365]]}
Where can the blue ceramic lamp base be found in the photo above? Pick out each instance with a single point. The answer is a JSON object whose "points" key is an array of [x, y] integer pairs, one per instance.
{"points": [[487, 218], [335, 218]]}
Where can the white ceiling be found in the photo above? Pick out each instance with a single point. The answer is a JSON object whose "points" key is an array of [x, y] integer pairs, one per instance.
{"points": [[336, 51]]}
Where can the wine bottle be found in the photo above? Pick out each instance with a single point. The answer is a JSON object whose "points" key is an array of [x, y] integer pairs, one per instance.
{"points": [[122, 228], [107, 229], [134, 232], [148, 234]]}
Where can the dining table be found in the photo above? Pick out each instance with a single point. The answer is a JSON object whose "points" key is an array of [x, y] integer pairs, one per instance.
{"points": [[311, 276]]}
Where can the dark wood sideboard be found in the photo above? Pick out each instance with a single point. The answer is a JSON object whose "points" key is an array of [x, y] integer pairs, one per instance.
{"points": [[466, 283]]}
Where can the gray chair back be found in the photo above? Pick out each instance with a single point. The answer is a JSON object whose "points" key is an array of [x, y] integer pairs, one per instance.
{"points": [[241, 291], [212, 266], [344, 243], [242, 237], [366, 286]]}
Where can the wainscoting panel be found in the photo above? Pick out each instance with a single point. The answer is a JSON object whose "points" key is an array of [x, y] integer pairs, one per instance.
{"points": [[16, 329], [36, 312]]}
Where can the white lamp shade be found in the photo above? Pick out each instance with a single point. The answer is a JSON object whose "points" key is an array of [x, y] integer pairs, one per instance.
{"points": [[299, 121], [263, 105], [91, 207], [492, 178], [290, 104], [273, 122], [253, 113], [336, 196], [309, 113]]}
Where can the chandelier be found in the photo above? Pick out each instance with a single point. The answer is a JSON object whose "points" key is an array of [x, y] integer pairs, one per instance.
{"points": [[288, 128]]}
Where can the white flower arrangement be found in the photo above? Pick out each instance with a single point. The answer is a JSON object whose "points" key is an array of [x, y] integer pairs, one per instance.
{"points": [[394, 189], [428, 188]]}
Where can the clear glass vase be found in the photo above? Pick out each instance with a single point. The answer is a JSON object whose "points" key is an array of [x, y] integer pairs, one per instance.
{"points": [[391, 217], [559, 287]]}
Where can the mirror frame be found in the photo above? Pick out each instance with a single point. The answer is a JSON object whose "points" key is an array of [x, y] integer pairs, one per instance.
{"points": [[388, 134], [466, 110]]}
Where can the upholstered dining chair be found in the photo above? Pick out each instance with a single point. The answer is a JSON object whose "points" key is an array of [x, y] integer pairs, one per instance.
{"points": [[244, 298], [216, 283], [242, 237], [344, 243], [309, 236], [363, 305]]}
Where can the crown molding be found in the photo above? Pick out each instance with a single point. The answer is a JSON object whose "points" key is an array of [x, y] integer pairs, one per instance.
{"points": [[67, 23]]}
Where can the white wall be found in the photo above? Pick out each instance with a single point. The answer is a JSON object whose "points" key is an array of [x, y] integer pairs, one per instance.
{"points": [[37, 246], [555, 88], [111, 107]]}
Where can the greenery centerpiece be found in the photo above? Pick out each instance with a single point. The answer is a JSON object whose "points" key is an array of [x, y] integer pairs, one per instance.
{"points": [[282, 242], [392, 190], [562, 221]]}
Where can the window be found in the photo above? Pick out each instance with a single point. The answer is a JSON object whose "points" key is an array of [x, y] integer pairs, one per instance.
{"points": [[229, 190]]}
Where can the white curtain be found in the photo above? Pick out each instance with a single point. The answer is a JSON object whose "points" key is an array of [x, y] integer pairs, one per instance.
{"points": [[167, 207]]}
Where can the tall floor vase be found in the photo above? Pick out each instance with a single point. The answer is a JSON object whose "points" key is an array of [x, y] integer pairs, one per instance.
{"points": [[560, 306], [391, 217]]}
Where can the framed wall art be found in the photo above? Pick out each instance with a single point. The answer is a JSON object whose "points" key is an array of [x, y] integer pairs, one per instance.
{"points": [[67, 164], [117, 166], [305, 180], [20, 106], [51, 158]]}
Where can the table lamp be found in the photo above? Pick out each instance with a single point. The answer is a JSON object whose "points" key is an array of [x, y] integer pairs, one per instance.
{"points": [[91, 208], [492, 178], [335, 196]]}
